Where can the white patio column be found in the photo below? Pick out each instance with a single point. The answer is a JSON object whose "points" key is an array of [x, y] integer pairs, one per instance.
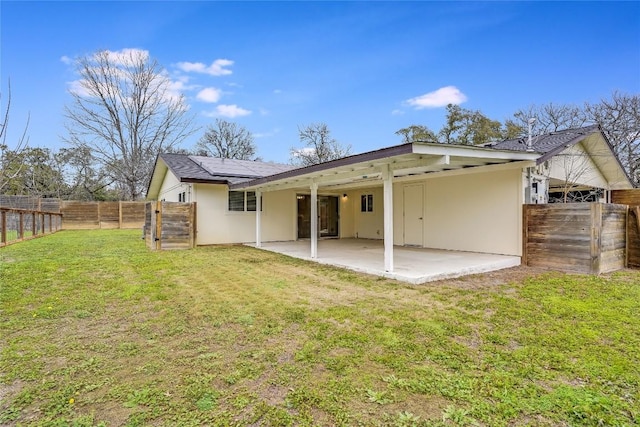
{"points": [[314, 220], [258, 218], [387, 177]]}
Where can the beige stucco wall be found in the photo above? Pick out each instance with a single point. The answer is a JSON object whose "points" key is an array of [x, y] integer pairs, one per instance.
{"points": [[346, 227], [575, 166], [368, 225], [480, 212], [171, 187], [477, 212], [216, 224]]}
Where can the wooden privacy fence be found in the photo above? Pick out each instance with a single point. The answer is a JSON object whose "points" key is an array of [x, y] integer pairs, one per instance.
{"points": [[92, 215], [631, 198], [577, 237], [170, 225], [17, 225]]}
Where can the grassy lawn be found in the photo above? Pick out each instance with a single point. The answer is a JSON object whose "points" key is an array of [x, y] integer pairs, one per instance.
{"points": [[97, 330]]}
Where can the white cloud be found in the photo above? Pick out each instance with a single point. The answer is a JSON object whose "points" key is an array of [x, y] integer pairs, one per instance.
{"points": [[66, 60], [439, 98], [230, 111], [124, 56], [397, 112], [217, 67], [209, 94], [277, 91]]}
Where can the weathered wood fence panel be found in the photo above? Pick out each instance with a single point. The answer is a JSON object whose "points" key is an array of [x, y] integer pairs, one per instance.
{"points": [[633, 237], [577, 237], [170, 225], [91, 215], [626, 197], [631, 198]]}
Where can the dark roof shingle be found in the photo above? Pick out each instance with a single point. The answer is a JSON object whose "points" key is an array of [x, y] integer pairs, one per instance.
{"points": [[216, 170], [548, 142]]}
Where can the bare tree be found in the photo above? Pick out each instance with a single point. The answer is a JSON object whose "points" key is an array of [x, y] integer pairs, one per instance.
{"points": [[619, 118], [227, 140], [9, 169], [550, 118], [575, 166], [320, 146], [124, 112]]}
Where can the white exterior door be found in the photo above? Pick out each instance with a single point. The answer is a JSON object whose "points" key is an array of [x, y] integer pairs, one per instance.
{"points": [[413, 213]]}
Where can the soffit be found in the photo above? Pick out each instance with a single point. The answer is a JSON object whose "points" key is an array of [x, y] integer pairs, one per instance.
{"points": [[417, 159]]}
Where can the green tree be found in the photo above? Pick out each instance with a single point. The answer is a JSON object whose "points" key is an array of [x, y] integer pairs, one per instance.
{"points": [[469, 127], [34, 171], [416, 133]]}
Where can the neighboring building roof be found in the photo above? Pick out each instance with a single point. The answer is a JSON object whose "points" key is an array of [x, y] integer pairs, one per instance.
{"points": [[548, 144]]}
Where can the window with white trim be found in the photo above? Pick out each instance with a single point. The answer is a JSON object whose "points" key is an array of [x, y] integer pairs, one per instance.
{"points": [[366, 203], [242, 201]]}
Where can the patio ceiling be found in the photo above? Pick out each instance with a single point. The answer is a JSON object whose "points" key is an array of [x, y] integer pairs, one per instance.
{"points": [[405, 161]]}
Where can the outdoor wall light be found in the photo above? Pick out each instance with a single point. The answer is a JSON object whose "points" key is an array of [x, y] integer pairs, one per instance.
{"points": [[344, 195]]}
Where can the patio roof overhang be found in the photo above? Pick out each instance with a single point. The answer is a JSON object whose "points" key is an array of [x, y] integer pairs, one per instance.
{"points": [[408, 161]]}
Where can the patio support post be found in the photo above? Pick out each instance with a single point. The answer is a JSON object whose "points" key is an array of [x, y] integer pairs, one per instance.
{"points": [[258, 218], [387, 177], [314, 219]]}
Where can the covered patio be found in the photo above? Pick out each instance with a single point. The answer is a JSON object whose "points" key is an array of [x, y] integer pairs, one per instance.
{"points": [[412, 265]]}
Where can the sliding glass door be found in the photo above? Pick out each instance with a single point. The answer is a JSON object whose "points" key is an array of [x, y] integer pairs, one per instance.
{"points": [[327, 216]]}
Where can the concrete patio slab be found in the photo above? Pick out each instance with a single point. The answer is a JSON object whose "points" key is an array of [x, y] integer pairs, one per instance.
{"points": [[413, 265]]}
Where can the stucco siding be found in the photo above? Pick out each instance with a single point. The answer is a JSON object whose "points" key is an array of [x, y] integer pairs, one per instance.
{"points": [[575, 166], [369, 225], [171, 187], [216, 224], [475, 212]]}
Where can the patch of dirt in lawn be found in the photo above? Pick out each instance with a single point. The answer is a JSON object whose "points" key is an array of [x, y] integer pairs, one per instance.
{"points": [[9, 391], [490, 279]]}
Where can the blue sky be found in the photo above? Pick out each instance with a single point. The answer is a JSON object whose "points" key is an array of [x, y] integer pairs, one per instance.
{"points": [[366, 69]]}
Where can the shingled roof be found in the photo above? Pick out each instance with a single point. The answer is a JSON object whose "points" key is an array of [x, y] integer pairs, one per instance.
{"points": [[548, 144], [215, 170]]}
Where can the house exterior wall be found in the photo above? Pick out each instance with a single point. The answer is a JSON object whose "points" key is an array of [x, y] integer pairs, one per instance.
{"points": [[218, 225], [346, 227], [172, 187], [575, 165], [368, 225], [476, 212]]}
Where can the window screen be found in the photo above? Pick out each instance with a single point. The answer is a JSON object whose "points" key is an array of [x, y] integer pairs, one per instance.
{"points": [[236, 201], [251, 201]]}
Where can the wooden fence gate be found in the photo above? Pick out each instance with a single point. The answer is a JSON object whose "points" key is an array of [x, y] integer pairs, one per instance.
{"points": [[170, 225]]}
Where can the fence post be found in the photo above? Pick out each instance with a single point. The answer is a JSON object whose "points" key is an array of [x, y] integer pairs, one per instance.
{"points": [[3, 225], [21, 226], [158, 213], [596, 237], [34, 226], [120, 214]]}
